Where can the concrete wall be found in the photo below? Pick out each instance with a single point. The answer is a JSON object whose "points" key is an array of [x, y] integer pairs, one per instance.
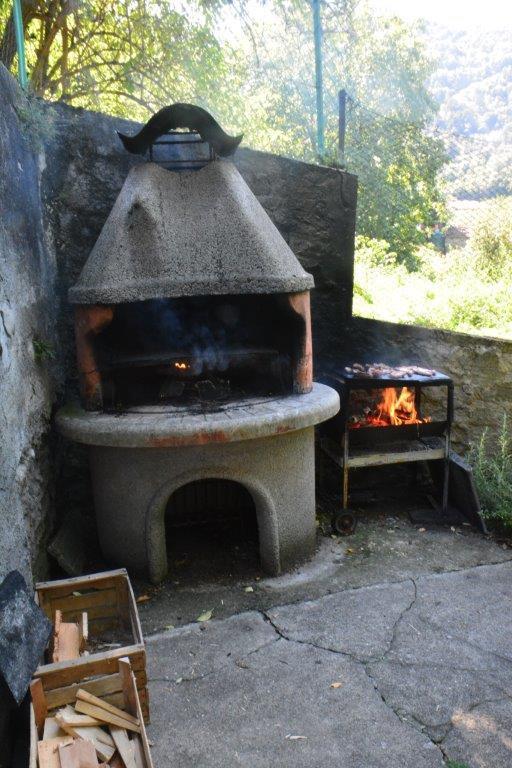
{"points": [[28, 307]]}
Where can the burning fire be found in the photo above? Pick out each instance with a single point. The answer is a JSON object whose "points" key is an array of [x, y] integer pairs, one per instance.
{"points": [[182, 366], [396, 407]]}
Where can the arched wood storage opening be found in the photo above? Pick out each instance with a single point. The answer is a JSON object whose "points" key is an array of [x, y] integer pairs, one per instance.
{"points": [[211, 529]]}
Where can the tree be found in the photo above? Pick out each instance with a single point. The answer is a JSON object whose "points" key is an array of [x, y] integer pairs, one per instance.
{"points": [[125, 57], [383, 66], [253, 66]]}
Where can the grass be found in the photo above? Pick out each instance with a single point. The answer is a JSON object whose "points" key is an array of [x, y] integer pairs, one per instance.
{"points": [[445, 292], [466, 290], [42, 350]]}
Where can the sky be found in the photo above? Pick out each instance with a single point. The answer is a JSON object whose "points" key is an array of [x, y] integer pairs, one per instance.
{"points": [[460, 14]]}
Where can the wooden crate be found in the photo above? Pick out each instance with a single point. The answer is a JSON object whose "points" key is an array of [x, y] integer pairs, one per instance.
{"points": [[110, 604], [124, 681]]}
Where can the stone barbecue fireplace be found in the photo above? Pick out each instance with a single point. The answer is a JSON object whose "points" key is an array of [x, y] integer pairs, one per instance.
{"points": [[193, 335]]}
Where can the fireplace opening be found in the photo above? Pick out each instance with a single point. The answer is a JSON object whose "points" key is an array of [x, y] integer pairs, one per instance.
{"points": [[189, 349], [212, 531]]}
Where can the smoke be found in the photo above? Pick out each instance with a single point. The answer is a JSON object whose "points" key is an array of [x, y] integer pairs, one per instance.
{"points": [[203, 330]]}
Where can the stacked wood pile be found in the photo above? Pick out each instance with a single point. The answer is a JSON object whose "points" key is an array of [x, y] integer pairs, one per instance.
{"points": [[92, 732], [96, 623], [89, 704]]}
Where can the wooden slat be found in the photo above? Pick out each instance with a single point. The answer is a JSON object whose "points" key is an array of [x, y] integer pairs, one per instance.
{"points": [[66, 640], [48, 751], [123, 603], [79, 603], [105, 716], [104, 578], [143, 735], [99, 687], [138, 752], [124, 746], [78, 754], [51, 728], [134, 615], [129, 689], [32, 760], [39, 704], [83, 695], [67, 672], [377, 459]]}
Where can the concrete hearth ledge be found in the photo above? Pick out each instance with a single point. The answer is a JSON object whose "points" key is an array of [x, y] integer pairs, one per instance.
{"points": [[173, 426]]}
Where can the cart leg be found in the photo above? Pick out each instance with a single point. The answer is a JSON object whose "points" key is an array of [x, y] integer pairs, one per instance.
{"points": [[445, 485], [345, 471]]}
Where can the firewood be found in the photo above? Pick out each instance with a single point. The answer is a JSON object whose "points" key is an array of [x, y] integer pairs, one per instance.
{"points": [[78, 754], [48, 751], [103, 742], [38, 703], [52, 728], [124, 746], [83, 695], [70, 717], [83, 630], [66, 640], [138, 752], [105, 716]]}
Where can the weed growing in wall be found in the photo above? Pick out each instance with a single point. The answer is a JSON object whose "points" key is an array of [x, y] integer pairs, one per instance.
{"points": [[491, 459]]}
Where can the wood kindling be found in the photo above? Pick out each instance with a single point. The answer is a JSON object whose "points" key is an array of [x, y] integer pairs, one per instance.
{"points": [[89, 698]]}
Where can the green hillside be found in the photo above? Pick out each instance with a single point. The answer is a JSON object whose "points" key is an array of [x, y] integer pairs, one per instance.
{"points": [[472, 84]]}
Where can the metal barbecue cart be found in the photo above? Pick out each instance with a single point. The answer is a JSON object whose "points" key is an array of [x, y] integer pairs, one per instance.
{"points": [[372, 446]]}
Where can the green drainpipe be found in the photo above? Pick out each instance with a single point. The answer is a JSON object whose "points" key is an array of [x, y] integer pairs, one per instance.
{"points": [[20, 43], [320, 120]]}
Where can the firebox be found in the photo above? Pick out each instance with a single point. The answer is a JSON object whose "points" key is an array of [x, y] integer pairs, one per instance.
{"points": [[389, 415], [190, 282], [194, 353]]}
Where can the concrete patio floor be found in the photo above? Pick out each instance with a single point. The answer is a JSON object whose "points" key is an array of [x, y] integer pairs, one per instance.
{"points": [[391, 649]]}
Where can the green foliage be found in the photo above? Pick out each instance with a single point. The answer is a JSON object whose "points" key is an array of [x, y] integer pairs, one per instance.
{"points": [[455, 764], [42, 350], [492, 469], [382, 64], [252, 65], [491, 240], [37, 121], [444, 291], [374, 252]]}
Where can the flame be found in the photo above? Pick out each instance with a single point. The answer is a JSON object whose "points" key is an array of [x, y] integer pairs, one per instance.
{"points": [[181, 366], [395, 408]]}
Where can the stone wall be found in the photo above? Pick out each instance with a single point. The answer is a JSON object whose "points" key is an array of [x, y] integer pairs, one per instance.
{"points": [[28, 307], [28, 374], [480, 367]]}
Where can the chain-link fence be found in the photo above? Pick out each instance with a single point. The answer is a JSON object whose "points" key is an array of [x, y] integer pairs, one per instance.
{"points": [[470, 175], [417, 184]]}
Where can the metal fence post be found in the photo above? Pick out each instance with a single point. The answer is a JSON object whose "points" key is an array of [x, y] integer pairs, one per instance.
{"points": [[342, 125], [20, 43]]}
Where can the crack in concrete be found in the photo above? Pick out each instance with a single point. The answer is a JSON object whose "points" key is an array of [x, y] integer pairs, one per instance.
{"points": [[408, 721]]}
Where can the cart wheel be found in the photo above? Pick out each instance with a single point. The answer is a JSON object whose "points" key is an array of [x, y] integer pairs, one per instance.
{"points": [[344, 522]]}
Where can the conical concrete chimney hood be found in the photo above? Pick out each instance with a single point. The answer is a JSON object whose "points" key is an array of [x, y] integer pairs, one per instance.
{"points": [[193, 233]]}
